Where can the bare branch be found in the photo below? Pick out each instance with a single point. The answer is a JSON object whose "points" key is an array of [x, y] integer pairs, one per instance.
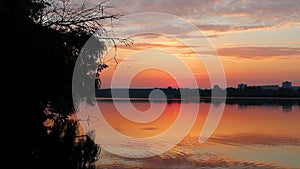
{"points": [[67, 16]]}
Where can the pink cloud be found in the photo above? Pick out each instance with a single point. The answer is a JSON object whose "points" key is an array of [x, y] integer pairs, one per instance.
{"points": [[220, 15]]}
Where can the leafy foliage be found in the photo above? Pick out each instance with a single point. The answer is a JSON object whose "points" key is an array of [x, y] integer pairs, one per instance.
{"points": [[44, 39]]}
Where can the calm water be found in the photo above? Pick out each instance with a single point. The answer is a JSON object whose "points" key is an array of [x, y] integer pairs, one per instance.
{"points": [[251, 134]]}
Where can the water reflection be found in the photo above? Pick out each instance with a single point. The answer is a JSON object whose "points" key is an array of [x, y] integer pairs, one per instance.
{"points": [[253, 133], [287, 108]]}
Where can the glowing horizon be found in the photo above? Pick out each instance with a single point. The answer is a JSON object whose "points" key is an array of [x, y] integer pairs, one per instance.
{"points": [[257, 43]]}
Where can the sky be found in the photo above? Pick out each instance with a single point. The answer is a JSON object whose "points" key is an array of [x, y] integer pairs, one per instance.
{"points": [[257, 43]]}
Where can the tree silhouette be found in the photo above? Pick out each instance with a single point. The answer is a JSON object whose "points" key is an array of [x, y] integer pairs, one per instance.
{"points": [[68, 15], [44, 38]]}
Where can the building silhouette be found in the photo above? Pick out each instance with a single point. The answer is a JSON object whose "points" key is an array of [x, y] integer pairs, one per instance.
{"points": [[270, 87], [242, 86], [286, 85]]}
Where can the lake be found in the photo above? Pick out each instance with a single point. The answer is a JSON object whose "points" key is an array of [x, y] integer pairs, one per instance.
{"points": [[251, 134]]}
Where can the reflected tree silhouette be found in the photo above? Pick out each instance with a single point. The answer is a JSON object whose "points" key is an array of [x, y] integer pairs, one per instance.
{"points": [[62, 144]]}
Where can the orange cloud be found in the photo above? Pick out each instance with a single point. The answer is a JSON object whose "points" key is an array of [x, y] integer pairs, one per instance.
{"points": [[258, 52], [153, 36], [294, 43], [142, 46], [227, 28]]}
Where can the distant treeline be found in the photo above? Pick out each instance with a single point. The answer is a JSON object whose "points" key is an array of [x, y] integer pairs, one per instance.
{"points": [[176, 93], [260, 92]]}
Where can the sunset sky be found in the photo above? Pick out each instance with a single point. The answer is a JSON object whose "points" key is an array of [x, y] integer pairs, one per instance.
{"points": [[258, 42]]}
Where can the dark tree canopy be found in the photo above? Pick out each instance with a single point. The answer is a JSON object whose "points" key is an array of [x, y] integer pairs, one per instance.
{"points": [[43, 39]]}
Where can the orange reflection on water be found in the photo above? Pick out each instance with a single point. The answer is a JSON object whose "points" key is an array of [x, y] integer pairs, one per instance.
{"points": [[236, 120], [255, 136], [134, 129], [259, 120]]}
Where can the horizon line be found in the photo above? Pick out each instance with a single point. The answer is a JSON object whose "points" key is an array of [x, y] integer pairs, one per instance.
{"points": [[190, 87]]}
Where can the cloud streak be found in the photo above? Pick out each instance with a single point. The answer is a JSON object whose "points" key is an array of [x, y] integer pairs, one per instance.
{"points": [[221, 15], [227, 28], [238, 52], [258, 52], [143, 46]]}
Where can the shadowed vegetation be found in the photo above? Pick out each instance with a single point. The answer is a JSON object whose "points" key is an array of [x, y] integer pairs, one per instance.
{"points": [[43, 39]]}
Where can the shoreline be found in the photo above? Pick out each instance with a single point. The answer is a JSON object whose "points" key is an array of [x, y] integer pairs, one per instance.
{"points": [[200, 98]]}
